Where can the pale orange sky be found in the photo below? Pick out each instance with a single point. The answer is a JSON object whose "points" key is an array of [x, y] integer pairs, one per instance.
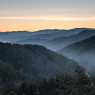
{"points": [[35, 23], [32, 15]]}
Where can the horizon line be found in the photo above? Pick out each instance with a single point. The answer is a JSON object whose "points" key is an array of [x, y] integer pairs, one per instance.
{"points": [[49, 29]]}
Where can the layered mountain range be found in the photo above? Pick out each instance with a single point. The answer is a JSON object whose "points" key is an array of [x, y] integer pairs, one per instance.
{"points": [[72, 43], [48, 62], [36, 62], [83, 52]]}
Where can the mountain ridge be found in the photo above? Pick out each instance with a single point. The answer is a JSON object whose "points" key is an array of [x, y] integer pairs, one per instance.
{"points": [[44, 62], [83, 52]]}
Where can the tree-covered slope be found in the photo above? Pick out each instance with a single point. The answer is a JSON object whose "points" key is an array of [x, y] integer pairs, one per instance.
{"points": [[83, 52], [36, 61], [35, 70]]}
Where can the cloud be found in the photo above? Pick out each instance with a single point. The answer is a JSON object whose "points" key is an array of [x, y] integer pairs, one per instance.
{"points": [[49, 18]]}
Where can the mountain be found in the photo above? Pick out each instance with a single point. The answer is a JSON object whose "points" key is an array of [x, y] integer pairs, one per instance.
{"points": [[36, 70], [77, 35], [83, 52], [33, 69], [33, 61], [57, 40], [52, 39]]}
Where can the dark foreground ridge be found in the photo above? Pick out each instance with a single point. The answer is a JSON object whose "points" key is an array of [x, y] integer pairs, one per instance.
{"points": [[35, 70]]}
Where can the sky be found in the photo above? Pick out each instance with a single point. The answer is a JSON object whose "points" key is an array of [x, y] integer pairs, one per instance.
{"points": [[32, 15]]}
